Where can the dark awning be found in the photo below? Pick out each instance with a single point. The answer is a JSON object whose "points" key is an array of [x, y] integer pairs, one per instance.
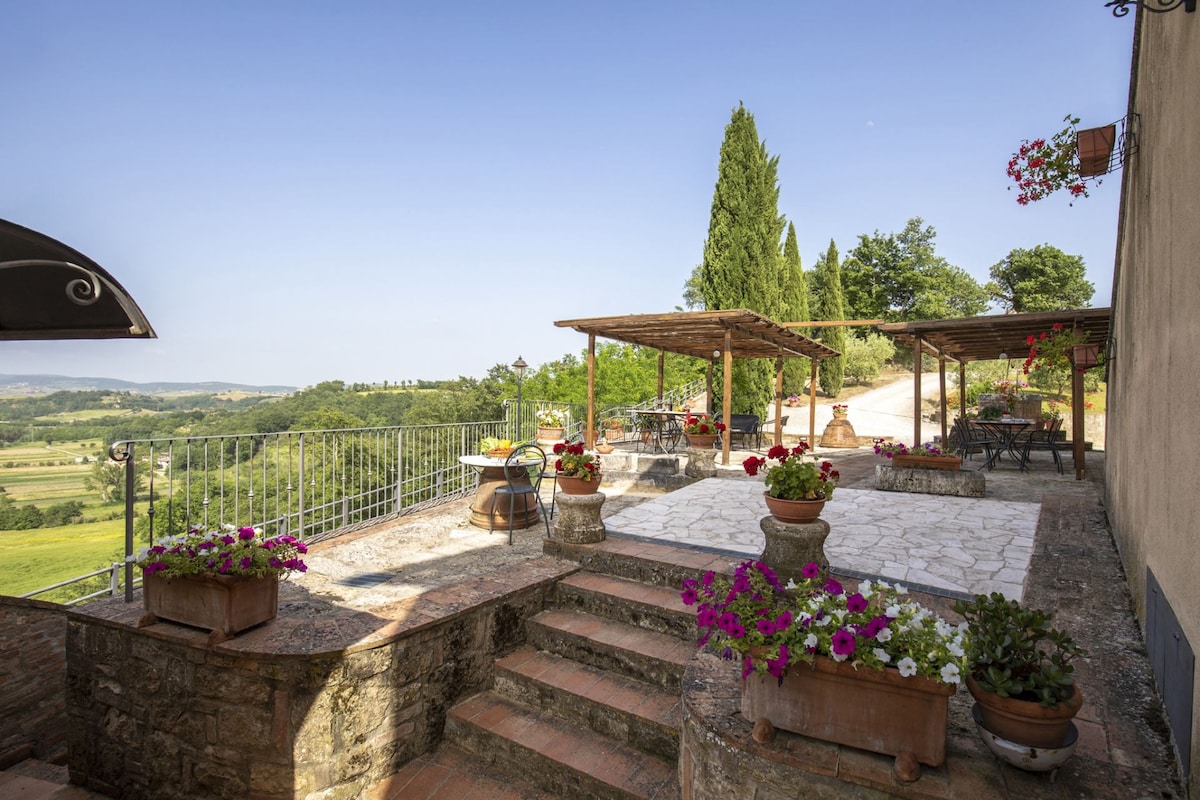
{"points": [[51, 291]]}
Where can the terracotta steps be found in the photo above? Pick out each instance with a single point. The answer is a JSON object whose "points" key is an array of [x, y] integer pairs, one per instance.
{"points": [[589, 708], [37, 780]]}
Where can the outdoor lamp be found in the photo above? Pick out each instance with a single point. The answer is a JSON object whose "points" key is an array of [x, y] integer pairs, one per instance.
{"points": [[519, 366]]}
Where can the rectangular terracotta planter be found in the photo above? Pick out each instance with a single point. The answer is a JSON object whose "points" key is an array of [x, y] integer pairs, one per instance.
{"points": [[876, 710], [223, 604], [927, 462]]}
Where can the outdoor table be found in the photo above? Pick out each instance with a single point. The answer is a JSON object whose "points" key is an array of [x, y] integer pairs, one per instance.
{"points": [[1005, 432], [666, 428], [491, 477]]}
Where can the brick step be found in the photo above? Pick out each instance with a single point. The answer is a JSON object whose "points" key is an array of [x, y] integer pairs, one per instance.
{"points": [[654, 563], [570, 762], [656, 608], [656, 658], [622, 708], [451, 773]]}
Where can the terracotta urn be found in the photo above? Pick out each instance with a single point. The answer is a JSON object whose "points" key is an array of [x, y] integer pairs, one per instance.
{"points": [[701, 441]]}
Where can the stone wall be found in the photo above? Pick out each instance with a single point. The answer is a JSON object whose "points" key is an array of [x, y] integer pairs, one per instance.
{"points": [[167, 717], [33, 666]]}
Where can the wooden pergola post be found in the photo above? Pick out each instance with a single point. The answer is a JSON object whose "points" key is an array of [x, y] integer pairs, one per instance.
{"points": [[917, 391], [589, 434], [812, 404], [962, 390], [942, 394], [778, 399], [726, 395], [662, 354]]}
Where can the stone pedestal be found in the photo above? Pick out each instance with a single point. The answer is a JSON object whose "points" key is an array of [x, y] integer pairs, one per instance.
{"points": [[701, 463], [791, 547], [957, 483], [839, 433], [577, 520]]}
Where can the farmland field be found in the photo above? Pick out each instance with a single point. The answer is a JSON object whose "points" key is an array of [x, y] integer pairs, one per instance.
{"points": [[35, 558]]}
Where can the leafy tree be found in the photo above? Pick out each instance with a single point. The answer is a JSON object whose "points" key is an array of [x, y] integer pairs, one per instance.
{"points": [[108, 478], [866, 355], [831, 371], [742, 261], [901, 277], [794, 288], [1042, 278]]}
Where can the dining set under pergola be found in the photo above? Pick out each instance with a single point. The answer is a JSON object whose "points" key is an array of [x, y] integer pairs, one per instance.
{"points": [[723, 335]]}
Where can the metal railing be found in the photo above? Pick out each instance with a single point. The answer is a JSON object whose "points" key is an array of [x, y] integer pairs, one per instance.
{"points": [[311, 484]]}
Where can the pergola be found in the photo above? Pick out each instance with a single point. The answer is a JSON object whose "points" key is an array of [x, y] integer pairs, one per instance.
{"points": [[708, 335], [989, 338]]}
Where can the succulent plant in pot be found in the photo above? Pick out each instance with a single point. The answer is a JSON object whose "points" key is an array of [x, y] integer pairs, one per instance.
{"points": [[1020, 670]]}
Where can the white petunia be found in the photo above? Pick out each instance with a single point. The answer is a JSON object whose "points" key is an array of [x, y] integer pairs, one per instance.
{"points": [[907, 667], [955, 649], [950, 673], [882, 654], [892, 611], [884, 635], [810, 641]]}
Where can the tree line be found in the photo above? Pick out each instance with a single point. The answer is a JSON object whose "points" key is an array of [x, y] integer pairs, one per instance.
{"points": [[751, 260]]}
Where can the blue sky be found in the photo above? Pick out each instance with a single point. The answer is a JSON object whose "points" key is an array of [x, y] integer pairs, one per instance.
{"points": [[298, 191]]}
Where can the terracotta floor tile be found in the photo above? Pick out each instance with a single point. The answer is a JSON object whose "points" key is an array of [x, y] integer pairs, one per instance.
{"points": [[648, 779], [489, 718], [579, 681], [424, 783], [471, 707]]}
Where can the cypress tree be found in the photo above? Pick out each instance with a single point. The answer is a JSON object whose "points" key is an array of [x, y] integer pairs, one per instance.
{"points": [[832, 371], [794, 289], [742, 261]]}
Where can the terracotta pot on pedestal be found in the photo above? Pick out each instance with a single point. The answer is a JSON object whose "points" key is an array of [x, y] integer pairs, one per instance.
{"points": [[572, 485], [701, 441], [793, 510]]}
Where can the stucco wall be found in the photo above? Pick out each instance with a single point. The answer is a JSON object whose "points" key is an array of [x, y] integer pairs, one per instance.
{"points": [[1154, 386]]}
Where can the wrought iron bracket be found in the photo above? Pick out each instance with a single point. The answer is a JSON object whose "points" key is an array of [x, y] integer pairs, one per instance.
{"points": [[1121, 7]]}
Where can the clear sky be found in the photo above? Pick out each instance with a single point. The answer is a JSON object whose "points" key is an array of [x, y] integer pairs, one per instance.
{"points": [[299, 191]]}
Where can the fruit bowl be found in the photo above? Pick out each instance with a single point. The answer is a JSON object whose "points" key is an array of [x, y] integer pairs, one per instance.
{"points": [[499, 452]]}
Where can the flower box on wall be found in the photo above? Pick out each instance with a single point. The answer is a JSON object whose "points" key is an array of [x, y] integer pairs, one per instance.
{"points": [[223, 604], [1095, 150], [926, 462]]}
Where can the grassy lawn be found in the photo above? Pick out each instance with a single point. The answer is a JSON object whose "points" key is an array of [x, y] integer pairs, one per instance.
{"points": [[36, 558]]}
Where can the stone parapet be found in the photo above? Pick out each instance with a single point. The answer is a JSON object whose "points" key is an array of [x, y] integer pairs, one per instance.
{"points": [[33, 667]]}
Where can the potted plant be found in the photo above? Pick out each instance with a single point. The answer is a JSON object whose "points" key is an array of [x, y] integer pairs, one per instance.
{"points": [[646, 423], [797, 490], [1069, 160], [701, 432], [923, 456], [578, 470], [866, 667], [614, 428], [1020, 671], [793, 400], [840, 410], [551, 423], [225, 580]]}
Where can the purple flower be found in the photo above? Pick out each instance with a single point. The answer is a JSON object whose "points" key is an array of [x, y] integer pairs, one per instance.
{"points": [[832, 587], [156, 566], [708, 578], [783, 621], [736, 631], [877, 624], [747, 666], [688, 596], [811, 570], [706, 617], [246, 562], [227, 539], [690, 583], [777, 666], [856, 603], [843, 643], [245, 533], [226, 565], [766, 627]]}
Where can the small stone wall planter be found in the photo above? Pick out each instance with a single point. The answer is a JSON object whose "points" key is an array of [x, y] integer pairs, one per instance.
{"points": [[876, 710], [957, 483], [927, 462], [224, 604]]}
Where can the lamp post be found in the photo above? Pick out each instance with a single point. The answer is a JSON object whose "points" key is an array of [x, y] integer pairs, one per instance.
{"points": [[519, 367]]}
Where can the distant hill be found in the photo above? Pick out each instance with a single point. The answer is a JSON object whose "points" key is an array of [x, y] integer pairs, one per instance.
{"points": [[33, 385]]}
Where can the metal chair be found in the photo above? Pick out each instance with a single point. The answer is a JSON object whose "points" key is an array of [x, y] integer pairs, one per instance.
{"points": [[1046, 439], [968, 440], [523, 471]]}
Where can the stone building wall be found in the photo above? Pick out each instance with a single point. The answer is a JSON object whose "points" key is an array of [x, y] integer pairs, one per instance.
{"points": [[33, 666], [167, 717]]}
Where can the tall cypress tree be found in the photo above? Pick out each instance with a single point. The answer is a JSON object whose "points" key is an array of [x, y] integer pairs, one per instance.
{"points": [[742, 262], [832, 371], [794, 288]]}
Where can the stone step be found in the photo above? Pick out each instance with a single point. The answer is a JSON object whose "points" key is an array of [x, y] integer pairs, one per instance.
{"points": [[624, 709], [451, 773], [656, 658], [568, 761], [655, 563], [36, 780], [656, 608]]}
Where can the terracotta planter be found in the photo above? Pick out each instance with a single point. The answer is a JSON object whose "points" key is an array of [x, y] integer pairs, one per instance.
{"points": [[876, 710], [1024, 721], [550, 434], [604, 449], [223, 604], [701, 441], [572, 485], [927, 462], [1095, 149], [793, 511]]}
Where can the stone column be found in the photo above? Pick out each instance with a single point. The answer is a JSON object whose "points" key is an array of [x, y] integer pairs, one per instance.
{"points": [[792, 546], [701, 463], [578, 518]]}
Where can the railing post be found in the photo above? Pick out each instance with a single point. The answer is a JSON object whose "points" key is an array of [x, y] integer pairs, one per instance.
{"points": [[130, 483], [399, 501], [300, 493], [114, 579]]}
